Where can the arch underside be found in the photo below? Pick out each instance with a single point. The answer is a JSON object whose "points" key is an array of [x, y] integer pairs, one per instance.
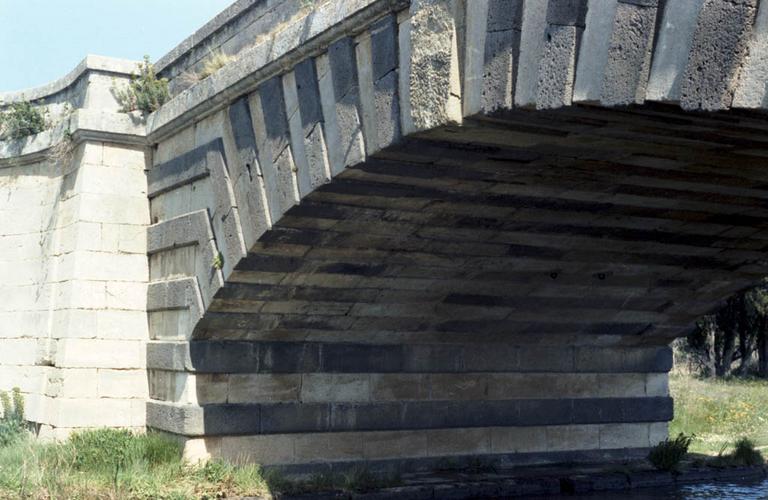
{"points": [[622, 226], [522, 273]]}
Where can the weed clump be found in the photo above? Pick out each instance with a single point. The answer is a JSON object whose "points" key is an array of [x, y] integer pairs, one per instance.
{"points": [[216, 60], [22, 119], [145, 92], [745, 453], [12, 422], [668, 454]]}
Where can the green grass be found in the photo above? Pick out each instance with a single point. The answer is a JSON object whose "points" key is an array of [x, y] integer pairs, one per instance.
{"points": [[109, 464], [113, 464], [720, 412]]}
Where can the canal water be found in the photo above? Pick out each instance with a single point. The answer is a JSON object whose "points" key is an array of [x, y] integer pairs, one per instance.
{"points": [[724, 490]]}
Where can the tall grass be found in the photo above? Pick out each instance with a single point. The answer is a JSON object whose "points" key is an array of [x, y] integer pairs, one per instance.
{"points": [[117, 464]]}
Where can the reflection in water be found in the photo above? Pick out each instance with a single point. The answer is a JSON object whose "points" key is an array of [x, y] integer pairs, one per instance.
{"points": [[712, 491], [726, 490], [751, 491]]}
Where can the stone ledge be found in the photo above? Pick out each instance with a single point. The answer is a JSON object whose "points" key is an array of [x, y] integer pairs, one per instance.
{"points": [[306, 36], [90, 63], [82, 125]]}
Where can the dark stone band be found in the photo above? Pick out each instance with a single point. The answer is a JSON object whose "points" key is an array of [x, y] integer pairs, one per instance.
{"points": [[312, 357], [288, 418]]}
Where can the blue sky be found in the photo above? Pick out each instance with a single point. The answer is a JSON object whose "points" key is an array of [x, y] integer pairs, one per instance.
{"points": [[42, 40]]}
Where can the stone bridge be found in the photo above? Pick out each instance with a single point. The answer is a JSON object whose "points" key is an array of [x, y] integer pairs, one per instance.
{"points": [[402, 232]]}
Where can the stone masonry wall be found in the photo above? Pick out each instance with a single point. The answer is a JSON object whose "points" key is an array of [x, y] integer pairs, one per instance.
{"points": [[73, 216]]}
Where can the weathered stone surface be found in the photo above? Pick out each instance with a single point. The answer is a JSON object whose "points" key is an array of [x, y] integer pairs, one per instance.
{"points": [[717, 50], [674, 42], [192, 229], [434, 88], [385, 82], [531, 51], [593, 53], [750, 91], [557, 67], [275, 158], [629, 55], [175, 173], [502, 49], [346, 99], [566, 12], [246, 173]]}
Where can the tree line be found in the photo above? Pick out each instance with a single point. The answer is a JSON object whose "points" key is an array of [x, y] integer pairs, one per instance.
{"points": [[734, 340]]}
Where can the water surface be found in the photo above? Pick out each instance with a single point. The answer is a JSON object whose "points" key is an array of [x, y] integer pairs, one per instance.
{"points": [[721, 490]]}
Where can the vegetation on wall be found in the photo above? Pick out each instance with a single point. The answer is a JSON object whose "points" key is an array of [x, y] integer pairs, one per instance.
{"points": [[215, 61], [22, 119], [145, 92]]}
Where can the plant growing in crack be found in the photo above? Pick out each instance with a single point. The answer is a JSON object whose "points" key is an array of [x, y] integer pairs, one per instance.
{"points": [[145, 92], [63, 151], [215, 61], [218, 261], [22, 119]]}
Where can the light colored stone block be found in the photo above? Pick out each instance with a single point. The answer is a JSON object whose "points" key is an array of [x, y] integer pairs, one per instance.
{"points": [[657, 432], [395, 444], [248, 388], [270, 449], [572, 437], [444, 442], [518, 439], [613, 436], [121, 156], [314, 448], [126, 296], [92, 412], [122, 384], [210, 388], [93, 353], [657, 385], [73, 383]]}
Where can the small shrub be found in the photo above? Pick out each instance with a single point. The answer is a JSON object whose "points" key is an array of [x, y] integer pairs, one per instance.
{"points": [[21, 119], [216, 60], [744, 453], [668, 454], [145, 92]]}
